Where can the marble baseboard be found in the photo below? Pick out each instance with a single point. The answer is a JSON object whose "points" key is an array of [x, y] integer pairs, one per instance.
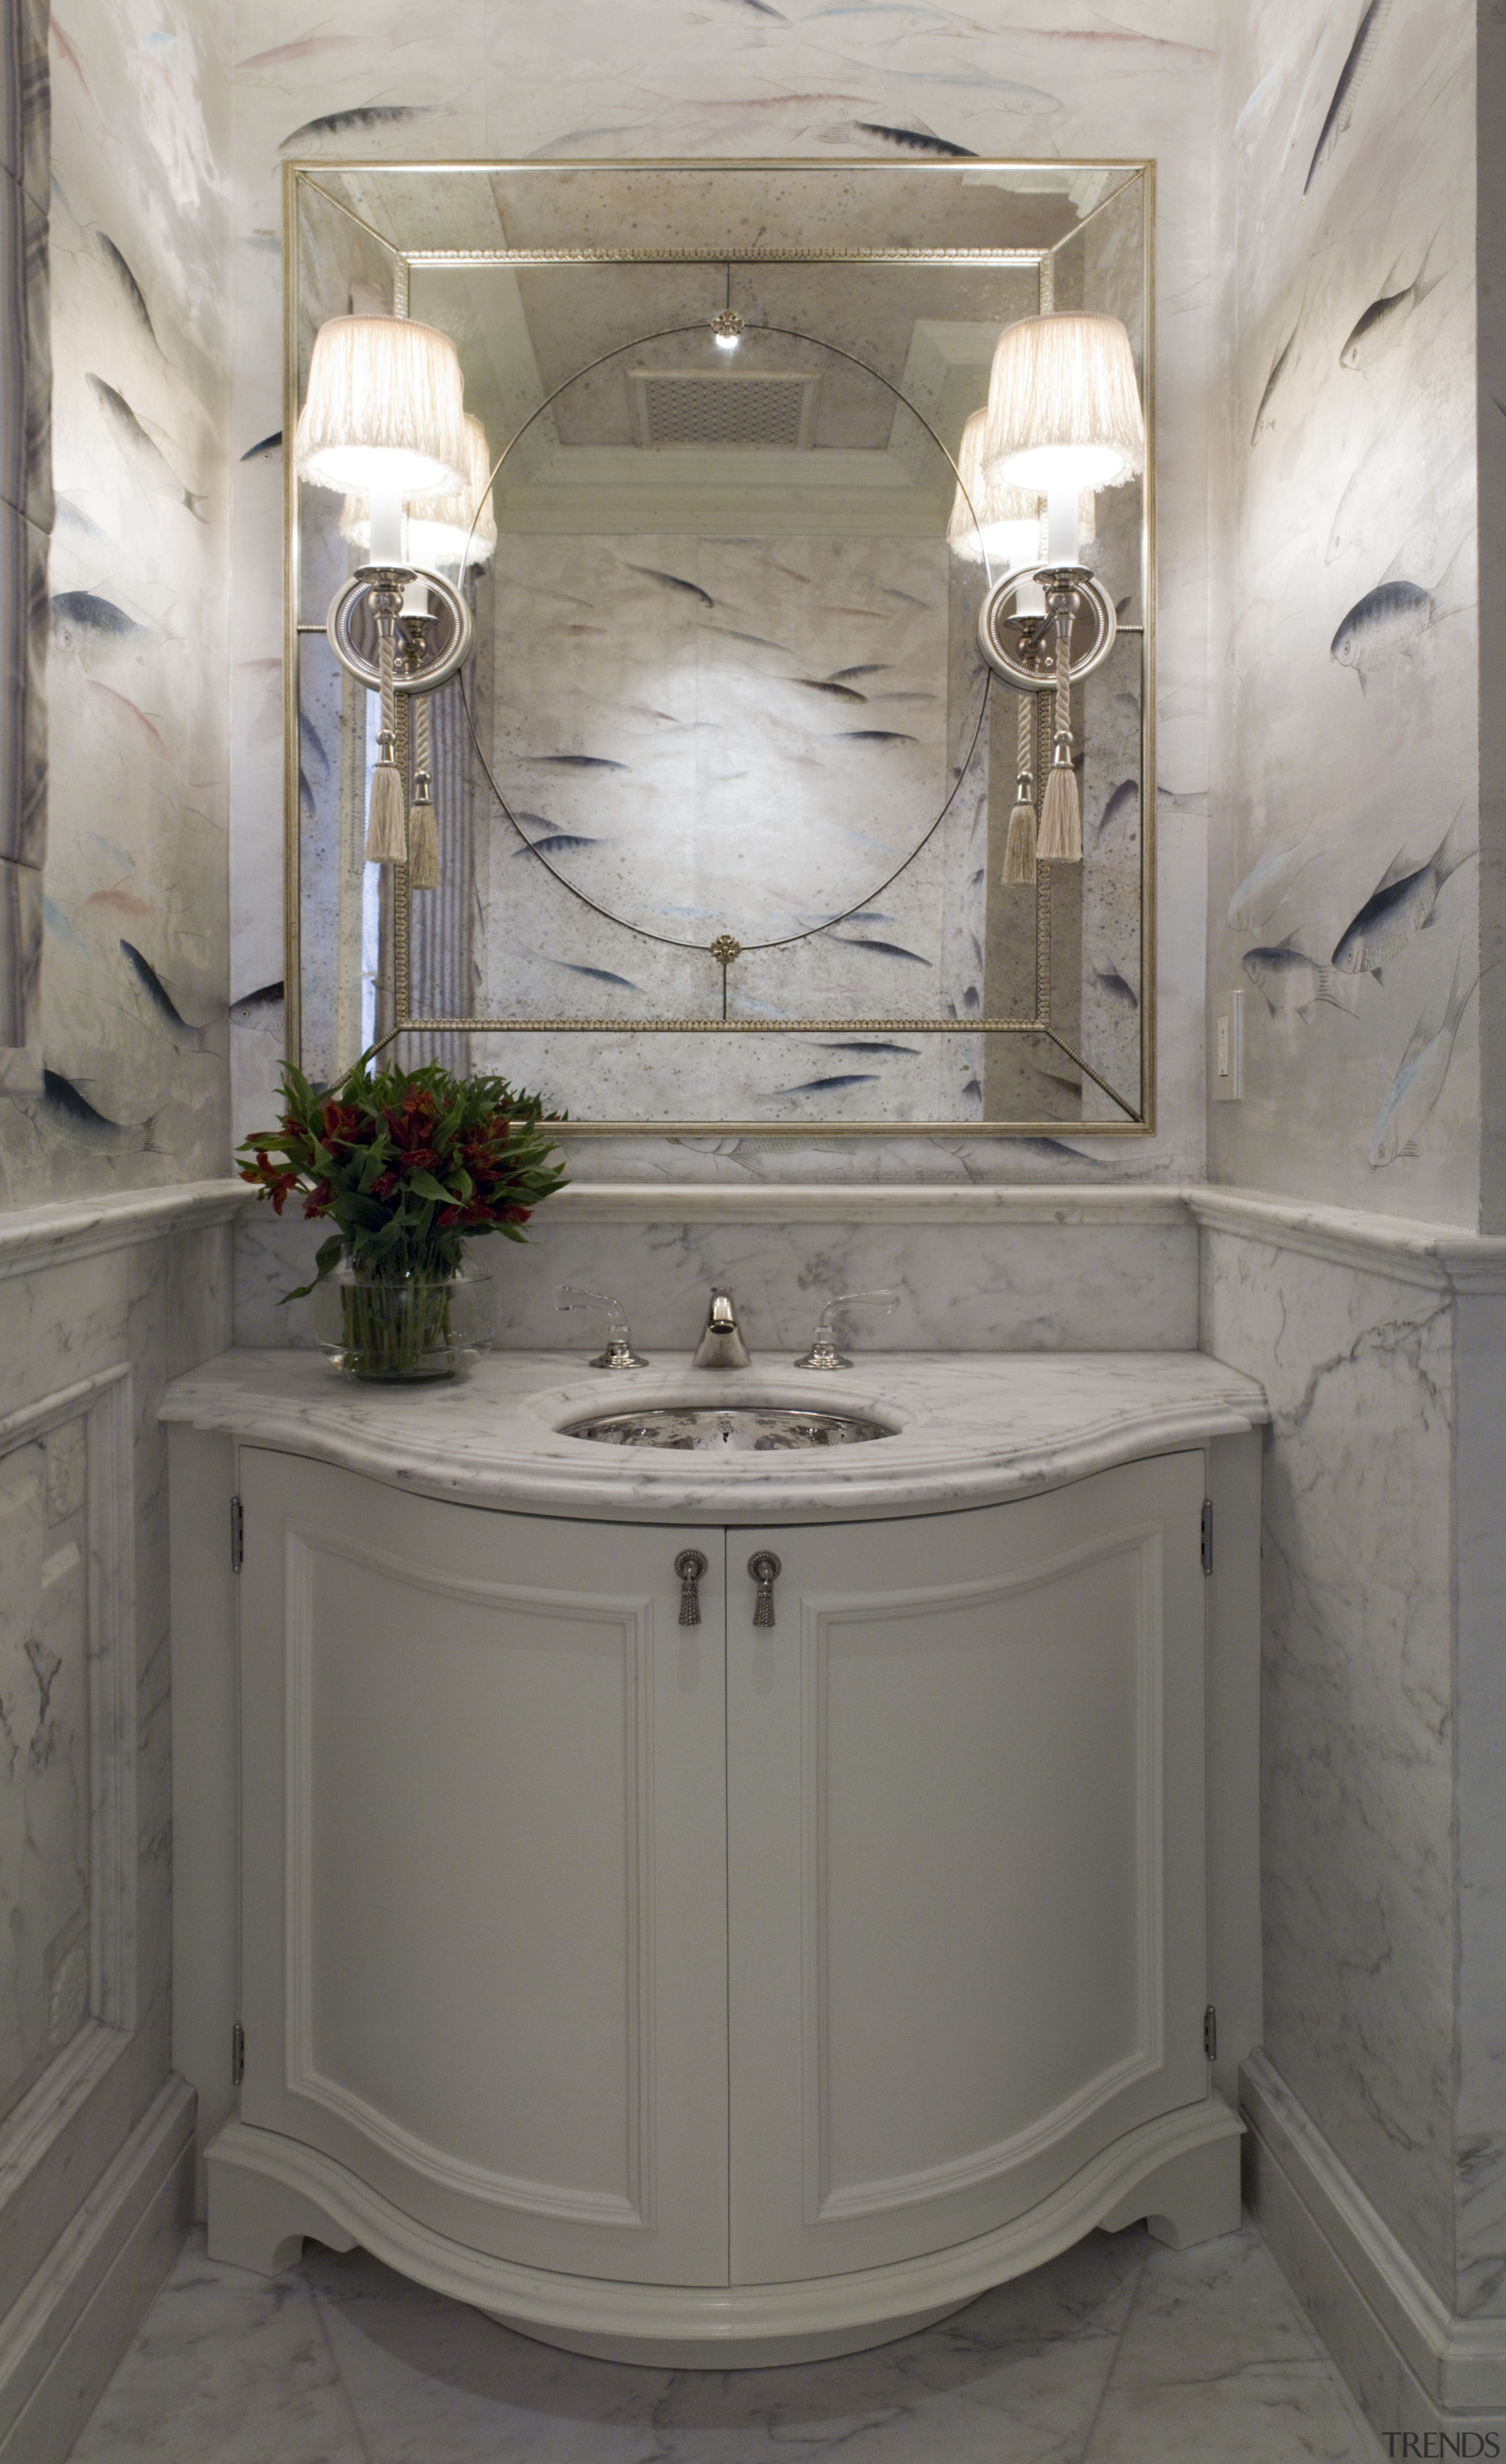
{"points": [[62, 2342], [1413, 2363]]}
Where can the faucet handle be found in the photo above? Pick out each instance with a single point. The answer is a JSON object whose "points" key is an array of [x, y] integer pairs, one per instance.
{"points": [[619, 1352], [823, 1353]]}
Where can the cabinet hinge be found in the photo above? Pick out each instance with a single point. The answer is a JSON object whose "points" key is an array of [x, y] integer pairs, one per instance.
{"points": [[237, 1535], [237, 2054], [1208, 1536], [1211, 2034]]}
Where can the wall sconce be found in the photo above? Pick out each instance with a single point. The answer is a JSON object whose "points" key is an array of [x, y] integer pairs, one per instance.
{"points": [[384, 418], [441, 533], [1063, 417], [990, 521]]}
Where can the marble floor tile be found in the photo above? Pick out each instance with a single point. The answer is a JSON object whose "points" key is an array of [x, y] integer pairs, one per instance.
{"points": [[1119, 2352], [1216, 2360], [227, 2368], [1018, 2373]]}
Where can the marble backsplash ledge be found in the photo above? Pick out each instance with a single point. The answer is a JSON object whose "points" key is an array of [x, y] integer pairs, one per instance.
{"points": [[978, 1271]]}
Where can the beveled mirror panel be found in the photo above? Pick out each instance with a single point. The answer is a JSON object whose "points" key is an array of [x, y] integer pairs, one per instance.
{"points": [[724, 790]]}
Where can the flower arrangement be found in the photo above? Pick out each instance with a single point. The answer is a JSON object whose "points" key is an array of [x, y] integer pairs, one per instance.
{"points": [[408, 1164]]}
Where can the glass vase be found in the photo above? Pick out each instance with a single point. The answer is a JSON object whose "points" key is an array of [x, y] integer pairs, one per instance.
{"points": [[407, 1328]]}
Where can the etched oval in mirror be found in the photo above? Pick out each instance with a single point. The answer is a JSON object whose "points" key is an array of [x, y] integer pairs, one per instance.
{"points": [[742, 699]]}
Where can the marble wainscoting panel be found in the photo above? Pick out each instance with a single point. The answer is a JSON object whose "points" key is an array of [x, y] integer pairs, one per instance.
{"points": [[44, 1752], [1480, 1540], [101, 1303], [1358, 1721], [978, 1271]]}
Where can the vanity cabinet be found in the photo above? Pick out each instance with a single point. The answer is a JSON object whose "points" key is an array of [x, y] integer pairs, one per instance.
{"points": [[651, 1984]]}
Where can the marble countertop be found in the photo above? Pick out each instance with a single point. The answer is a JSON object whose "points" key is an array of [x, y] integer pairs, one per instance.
{"points": [[971, 1428]]}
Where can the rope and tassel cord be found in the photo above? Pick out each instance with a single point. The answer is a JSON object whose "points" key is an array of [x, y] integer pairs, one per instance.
{"points": [[1061, 837], [1020, 847], [386, 830], [423, 825]]}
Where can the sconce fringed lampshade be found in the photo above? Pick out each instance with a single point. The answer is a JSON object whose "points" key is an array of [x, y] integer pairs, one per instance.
{"points": [[383, 409], [987, 513], [440, 530], [1063, 405]]}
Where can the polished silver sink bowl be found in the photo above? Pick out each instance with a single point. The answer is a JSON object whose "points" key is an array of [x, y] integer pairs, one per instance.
{"points": [[726, 1428]]}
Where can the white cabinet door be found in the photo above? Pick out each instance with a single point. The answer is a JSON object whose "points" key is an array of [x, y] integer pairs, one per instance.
{"points": [[964, 1808], [484, 1886]]}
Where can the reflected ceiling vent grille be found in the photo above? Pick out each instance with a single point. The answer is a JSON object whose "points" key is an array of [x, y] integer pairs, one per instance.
{"points": [[712, 407]]}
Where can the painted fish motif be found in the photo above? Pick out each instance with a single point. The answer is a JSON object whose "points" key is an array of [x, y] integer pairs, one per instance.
{"points": [[1418, 1083], [561, 843], [262, 1007], [157, 994], [139, 718], [845, 676], [312, 742], [757, 639], [71, 1116], [95, 627], [829, 1085], [135, 297], [822, 685], [599, 975], [1125, 799], [365, 117], [581, 762], [1380, 329], [1288, 979], [673, 582], [272, 444], [1351, 77], [917, 140], [1384, 622], [1264, 887], [150, 463], [883, 948], [857, 1043], [878, 736], [1111, 983], [1401, 908], [1263, 417]]}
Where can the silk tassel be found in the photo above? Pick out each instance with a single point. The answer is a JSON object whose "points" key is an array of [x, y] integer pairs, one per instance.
{"points": [[1020, 847], [1061, 839], [423, 823], [386, 834]]}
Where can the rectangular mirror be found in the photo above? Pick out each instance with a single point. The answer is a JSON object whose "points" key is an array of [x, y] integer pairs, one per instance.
{"points": [[724, 788]]}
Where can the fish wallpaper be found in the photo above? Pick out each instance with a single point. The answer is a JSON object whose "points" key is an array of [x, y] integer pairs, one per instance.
{"points": [[26, 517], [905, 80], [1344, 869], [131, 1028]]}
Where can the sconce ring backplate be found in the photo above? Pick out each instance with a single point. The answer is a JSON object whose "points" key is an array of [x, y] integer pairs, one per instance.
{"points": [[1008, 640], [428, 653]]}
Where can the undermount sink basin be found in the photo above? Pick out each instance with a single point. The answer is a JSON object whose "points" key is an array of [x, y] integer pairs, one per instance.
{"points": [[726, 1428]]}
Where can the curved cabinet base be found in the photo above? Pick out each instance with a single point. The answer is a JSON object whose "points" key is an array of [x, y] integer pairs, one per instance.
{"points": [[1181, 2174]]}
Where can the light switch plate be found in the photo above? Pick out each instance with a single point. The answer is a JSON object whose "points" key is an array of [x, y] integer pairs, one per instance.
{"points": [[1226, 1055]]}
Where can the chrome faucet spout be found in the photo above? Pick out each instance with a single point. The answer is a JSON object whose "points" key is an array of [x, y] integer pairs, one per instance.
{"points": [[721, 1346]]}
